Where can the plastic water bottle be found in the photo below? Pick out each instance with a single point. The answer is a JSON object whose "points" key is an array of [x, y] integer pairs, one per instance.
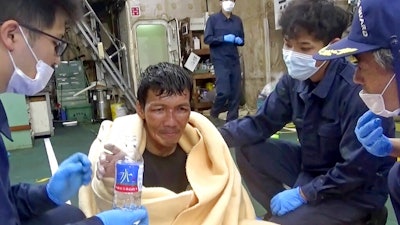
{"points": [[129, 177]]}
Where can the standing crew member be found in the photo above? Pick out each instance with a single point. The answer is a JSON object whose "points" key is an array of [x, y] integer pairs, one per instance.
{"points": [[224, 32]]}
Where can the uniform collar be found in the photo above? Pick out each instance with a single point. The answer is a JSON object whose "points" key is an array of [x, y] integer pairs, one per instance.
{"points": [[323, 87], [222, 16], [4, 127]]}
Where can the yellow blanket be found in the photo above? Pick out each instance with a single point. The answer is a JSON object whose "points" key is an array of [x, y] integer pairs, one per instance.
{"points": [[217, 196]]}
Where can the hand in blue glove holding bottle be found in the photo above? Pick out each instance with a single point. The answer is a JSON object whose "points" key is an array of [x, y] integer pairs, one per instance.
{"points": [[124, 217], [229, 38], [369, 132], [74, 172], [286, 201]]}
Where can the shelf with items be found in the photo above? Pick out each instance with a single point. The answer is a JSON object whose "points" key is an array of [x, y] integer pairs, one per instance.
{"points": [[203, 81], [192, 41], [203, 85], [202, 51], [192, 38]]}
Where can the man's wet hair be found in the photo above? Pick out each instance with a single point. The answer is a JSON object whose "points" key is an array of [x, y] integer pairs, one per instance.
{"points": [[164, 79]]}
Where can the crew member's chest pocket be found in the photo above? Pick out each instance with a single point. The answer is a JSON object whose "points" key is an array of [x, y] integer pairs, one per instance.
{"points": [[225, 27], [330, 136]]}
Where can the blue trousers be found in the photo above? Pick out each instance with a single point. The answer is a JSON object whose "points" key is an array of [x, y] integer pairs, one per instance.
{"points": [[394, 189], [61, 215], [228, 89], [267, 166]]}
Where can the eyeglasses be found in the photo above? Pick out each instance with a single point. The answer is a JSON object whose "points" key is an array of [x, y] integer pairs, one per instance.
{"points": [[61, 44]]}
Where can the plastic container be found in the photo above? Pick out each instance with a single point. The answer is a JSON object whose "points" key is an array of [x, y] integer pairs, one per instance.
{"points": [[196, 43], [128, 176], [118, 109]]}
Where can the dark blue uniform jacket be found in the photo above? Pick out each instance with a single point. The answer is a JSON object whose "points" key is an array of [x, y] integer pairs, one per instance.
{"points": [[217, 26], [22, 201], [334, 163]]}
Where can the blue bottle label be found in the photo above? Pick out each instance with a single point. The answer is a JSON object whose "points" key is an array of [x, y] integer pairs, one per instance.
{"points": [[127, 178]]}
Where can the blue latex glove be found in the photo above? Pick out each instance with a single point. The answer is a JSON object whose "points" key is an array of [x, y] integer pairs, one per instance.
{"points": [[74, 172], [369, 132], [238, 40], [286, 201], [124, 217], [229, 38]]}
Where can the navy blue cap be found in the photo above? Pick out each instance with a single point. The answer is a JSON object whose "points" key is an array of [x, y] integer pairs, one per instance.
{"points": [[376, 25]]}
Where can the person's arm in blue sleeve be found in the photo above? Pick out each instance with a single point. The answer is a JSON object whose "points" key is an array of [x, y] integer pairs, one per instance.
{"points": [[274, 114], [241, 35], [30, 200], [209, 35], [358, 166]]}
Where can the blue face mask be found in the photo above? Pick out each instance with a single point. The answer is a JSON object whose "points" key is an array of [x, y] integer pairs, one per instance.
{"points": [[300, 66]]}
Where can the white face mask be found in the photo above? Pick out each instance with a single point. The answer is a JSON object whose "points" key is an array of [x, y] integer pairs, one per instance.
{"points": [[228, 6], [21, 83], [300, 66], [376, 103]]}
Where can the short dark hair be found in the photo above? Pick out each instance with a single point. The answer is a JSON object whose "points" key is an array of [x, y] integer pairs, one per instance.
{"points": [[39, 13], [320, 18], [164, 78]]}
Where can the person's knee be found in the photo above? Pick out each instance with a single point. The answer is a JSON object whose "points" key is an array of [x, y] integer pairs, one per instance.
{"points": [[254, 158], [223, 94], [240, 155]]}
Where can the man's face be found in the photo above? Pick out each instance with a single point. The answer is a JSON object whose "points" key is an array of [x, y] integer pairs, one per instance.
{"points": [[306, 43], [165, 118], [43, 46], [373, 79]]}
